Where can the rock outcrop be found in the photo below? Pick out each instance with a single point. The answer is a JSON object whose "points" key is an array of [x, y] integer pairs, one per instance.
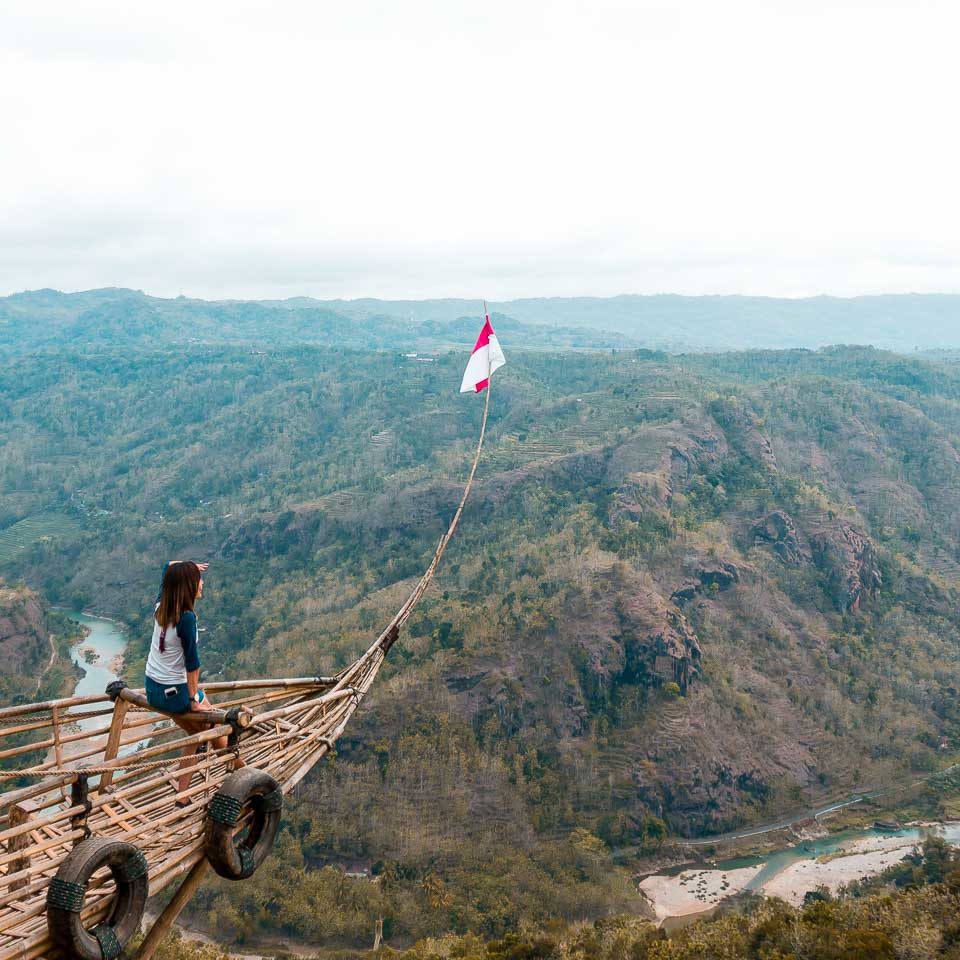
{"points": [[718, 575], [744, 431], [850, 560], [628, 634], [709, 577], [660, 461], [844, 553], [779, 530], [659, 644], [700, 450]]}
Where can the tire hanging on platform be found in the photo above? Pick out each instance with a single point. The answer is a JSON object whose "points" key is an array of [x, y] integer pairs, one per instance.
{"points": [[68, 889], [246, 790]]}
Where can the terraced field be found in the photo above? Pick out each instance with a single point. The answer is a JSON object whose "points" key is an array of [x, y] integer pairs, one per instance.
{"points": [[20, 535]]}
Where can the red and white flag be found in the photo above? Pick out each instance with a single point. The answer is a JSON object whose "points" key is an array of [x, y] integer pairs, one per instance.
{"points": [[486, 357]]}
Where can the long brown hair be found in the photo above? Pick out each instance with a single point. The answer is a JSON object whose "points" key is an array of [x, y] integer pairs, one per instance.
{"points": [[181, 584]]}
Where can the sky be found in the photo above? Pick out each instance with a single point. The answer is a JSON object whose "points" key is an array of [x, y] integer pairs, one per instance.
{"points": [[501, 149]]}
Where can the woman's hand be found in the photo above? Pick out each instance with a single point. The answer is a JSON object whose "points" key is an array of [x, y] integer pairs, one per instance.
{"points": [[202, 567], [202, 707]]}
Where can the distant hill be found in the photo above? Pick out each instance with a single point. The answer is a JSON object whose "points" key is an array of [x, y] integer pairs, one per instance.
{"points": [[120, 318], [903, 322], [671, 322]]}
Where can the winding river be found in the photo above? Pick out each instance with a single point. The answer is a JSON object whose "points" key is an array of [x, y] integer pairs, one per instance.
{"points": [[108, 643]]}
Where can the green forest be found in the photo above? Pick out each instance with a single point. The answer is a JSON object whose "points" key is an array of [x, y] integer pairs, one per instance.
{"points": [[911, 911], [690, 592]]}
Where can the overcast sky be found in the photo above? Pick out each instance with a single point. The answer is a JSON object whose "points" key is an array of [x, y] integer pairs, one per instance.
{"points": [[420, 149]]}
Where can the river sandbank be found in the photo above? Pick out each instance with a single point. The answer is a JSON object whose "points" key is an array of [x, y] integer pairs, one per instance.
{"points": [[790, 873], [856, 860], [694, 891]]}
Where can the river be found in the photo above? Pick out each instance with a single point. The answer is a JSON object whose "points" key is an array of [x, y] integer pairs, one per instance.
{"points": [[684, 894], [107, 641]]}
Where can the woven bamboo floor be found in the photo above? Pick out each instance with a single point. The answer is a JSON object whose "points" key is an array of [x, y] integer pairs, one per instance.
{"points": [[292, 723]]}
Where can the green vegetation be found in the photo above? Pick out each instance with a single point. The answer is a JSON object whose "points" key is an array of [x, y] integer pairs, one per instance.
{"points": [[915, 920], [920, 925], [30, 530], [690, 593]]}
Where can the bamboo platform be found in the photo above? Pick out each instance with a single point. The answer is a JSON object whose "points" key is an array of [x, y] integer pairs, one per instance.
{"points": [[280, 726]]}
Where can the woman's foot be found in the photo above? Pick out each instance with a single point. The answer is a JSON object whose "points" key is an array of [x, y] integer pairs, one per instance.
{"points": [[182, 802]]}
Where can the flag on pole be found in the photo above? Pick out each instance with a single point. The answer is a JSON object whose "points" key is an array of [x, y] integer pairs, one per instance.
{"points": [[486, 357]]}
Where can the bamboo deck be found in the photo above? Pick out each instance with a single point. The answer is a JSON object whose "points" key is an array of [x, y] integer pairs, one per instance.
{"points": [[285, 727]]}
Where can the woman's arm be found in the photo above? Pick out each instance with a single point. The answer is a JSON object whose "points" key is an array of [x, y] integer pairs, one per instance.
{"points": [[193, 685], [187, 632]]}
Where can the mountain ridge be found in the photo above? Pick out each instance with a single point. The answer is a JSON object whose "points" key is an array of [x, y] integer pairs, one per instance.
{"points": [[673, 322]]}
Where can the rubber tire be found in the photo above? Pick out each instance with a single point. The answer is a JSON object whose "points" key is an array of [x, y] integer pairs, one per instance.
{"points": [[88, 856], [239, 860]]}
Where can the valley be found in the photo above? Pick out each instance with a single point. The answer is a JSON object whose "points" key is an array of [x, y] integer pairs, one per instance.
{"points": [[692, 594]]}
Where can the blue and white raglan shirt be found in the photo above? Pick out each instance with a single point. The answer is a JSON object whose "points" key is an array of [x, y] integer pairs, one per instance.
{"points": [[180, 654]]}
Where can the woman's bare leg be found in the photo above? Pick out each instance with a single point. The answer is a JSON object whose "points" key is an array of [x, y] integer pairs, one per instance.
{"points": [[221, 744], [190, 726], [194, 723]]}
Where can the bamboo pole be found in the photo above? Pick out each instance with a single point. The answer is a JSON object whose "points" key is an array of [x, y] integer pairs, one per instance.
{"points": [[282, 688], [293, 707], [37, 789], [213, 716], [26, 825], [120, 708], [65, 718], [57, 745], [17, 846], [149, 752], [175, 867], [222, 685], [44, 866], [23, 708]]}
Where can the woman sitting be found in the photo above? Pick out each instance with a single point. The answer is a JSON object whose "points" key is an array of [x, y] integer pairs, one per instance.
{"points": [[173, 666]]}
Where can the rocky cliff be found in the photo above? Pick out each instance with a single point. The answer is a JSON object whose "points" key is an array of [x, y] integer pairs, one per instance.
{"points": [[24, 640]]}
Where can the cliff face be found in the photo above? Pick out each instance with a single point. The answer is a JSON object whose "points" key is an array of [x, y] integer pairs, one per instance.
{"points": [[780, 532], [670, 634], [656, 644], [844, 553], [850, 561], [24, 638], [745, 433]]}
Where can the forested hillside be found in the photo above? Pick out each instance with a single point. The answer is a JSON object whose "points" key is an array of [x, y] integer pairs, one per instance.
{"points": [[689, 593], [908, 913]]}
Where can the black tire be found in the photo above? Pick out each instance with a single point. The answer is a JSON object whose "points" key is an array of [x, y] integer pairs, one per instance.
{"points": [[247, 789], [67, 891]]}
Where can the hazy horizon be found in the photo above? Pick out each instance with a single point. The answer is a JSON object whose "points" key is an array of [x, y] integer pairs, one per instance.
{"points": [[479, 300]]}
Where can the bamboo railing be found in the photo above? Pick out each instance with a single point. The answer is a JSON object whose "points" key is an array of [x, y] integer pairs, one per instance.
{"points": [[280, 726]]}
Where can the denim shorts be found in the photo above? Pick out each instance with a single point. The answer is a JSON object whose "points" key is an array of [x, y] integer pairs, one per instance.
{"points": [[171, 697]]}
